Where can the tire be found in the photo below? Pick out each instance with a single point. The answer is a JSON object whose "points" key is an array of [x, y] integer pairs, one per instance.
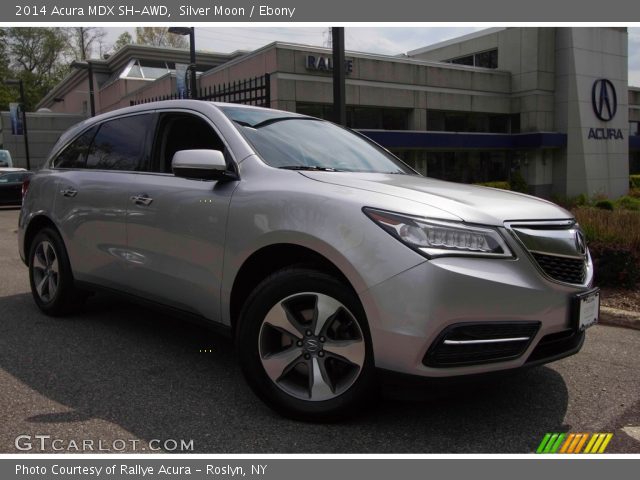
{"points": [[50, 276], [297, 364]]}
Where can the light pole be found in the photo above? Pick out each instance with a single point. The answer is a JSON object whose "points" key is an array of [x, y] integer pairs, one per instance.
{"points": [[192, 53], [24, 118], [339, 89]]}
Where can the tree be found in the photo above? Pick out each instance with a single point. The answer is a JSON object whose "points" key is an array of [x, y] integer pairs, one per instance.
{"points": [[6, 93], [84, 40], [125, 38], [160, 37], [37, 56]]}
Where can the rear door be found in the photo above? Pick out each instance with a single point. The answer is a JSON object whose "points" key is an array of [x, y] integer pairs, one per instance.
{"points": [[94, 178], [176, 226]]}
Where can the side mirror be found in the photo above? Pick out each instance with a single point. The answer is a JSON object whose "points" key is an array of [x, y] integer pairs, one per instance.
{"points": [[201, 165]]}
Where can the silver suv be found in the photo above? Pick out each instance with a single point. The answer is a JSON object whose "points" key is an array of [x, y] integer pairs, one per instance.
{"points": [[321, 253]]}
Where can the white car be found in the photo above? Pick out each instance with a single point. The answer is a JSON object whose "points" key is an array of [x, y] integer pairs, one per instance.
{"points": [[5, 159]]}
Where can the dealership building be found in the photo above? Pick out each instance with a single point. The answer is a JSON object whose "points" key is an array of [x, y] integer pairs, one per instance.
{"points": [[550, 103]]}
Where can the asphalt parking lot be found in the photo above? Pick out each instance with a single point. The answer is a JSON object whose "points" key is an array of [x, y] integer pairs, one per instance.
{"points": [[118, 371]]}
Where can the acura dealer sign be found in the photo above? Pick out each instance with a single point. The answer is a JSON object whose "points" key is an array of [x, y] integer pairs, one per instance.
{"points": [[604, 102]]}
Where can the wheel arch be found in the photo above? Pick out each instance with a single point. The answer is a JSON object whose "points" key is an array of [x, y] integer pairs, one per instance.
{"points": [[36, 224], [272, 258]]}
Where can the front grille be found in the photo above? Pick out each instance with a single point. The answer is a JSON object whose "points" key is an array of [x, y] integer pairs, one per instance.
{"points": [[474, 343], [563, 269], [558, 248]]}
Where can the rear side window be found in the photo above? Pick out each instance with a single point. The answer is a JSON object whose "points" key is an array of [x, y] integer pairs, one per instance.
{"points": [[75, 155], [120, 144]]}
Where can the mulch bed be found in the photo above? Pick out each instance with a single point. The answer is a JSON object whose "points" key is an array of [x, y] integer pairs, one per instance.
{"points": [[621, 299]]}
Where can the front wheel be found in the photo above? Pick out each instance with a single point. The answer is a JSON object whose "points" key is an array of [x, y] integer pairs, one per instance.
{"points": [[304, 345]]}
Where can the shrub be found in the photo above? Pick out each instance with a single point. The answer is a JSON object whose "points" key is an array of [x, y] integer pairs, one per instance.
{"points": [[500, 185], [615, 266], [634, 192], [634, 181], [628, 203], [518, 183], [614, 242], [604, 204]]}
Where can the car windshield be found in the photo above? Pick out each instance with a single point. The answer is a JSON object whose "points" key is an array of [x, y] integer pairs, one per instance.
{"points": [[305, 143]]}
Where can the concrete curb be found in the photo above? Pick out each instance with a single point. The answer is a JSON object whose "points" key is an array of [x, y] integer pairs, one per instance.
{"points": [[619, 318]]}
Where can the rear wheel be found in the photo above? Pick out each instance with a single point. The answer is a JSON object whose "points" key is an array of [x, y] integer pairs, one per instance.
{"points": [[304, 345], [50, 275]]}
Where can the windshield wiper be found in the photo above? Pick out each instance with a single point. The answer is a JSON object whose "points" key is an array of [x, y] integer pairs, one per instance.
{"points": [[311, 167]]}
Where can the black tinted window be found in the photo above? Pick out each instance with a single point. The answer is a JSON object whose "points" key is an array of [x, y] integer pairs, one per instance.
{"points": [[75, 155], [120, 144], [180, 131]]}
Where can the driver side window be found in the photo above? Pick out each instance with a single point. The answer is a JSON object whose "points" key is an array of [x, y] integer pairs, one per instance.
{"points": [[182, 131]]}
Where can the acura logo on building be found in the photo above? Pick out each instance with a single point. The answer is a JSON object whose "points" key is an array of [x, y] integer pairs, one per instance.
{"points": [[604, 99]]}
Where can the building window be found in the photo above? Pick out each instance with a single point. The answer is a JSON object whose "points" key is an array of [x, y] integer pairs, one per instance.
{"points": [[469, 166], [451, 121], [634, 163], [487, 59], [634, 128], [374, 118], [147, 69]]}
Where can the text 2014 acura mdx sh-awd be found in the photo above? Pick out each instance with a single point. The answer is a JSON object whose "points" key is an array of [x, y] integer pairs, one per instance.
{"points": [[324, 255]]}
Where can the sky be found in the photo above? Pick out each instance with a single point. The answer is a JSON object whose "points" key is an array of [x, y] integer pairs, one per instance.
{"points": [[383, 40]]}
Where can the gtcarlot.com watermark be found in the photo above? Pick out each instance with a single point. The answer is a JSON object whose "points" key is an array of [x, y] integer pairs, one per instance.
{"points": [[47, 443]]}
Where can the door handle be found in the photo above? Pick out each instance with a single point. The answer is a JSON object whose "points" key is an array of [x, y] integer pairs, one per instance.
{"points": [[68, 192], [143, 199]]}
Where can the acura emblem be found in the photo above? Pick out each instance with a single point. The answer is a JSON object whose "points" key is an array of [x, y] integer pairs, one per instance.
{"points": [[312, 345], [604, 99]]}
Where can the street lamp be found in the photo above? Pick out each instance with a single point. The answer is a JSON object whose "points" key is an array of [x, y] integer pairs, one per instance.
{"points": [[24, 118], [192, 51], [89, 67]]}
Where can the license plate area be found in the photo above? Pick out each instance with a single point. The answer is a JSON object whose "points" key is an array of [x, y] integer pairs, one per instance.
{"points": [[586, 309]]}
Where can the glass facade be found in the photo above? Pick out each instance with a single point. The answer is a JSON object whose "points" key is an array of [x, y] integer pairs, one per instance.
{"points": [[453, 121], [469, 166], [361, 117], [486, 59], [634, 163]]}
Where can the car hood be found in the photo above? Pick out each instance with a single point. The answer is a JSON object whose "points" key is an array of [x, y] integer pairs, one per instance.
{"points": [[471, 203]]}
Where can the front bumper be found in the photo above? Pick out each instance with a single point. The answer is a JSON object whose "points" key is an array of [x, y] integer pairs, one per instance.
{"points": [[408, 313]]}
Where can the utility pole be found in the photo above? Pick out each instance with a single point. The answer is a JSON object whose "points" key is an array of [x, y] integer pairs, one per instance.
{"points": [[339, 88], [83, 56]]}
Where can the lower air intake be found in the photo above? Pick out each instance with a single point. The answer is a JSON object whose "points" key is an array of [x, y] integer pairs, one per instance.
{"points": [[476, 343]]}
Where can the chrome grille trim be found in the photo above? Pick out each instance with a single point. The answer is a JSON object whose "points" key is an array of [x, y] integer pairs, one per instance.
{"points": [[554, 249]]}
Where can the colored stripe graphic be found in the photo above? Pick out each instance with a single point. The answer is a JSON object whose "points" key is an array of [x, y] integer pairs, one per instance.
{"points": [[543, 443], [583, 440], [574, 443]]}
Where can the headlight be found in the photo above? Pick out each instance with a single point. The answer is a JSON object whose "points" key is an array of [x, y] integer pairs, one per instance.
{"points": [[437, 238]]}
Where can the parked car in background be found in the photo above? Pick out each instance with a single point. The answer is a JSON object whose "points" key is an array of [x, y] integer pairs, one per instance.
{"points": [[5, 159], [321, 253], [11, 186]]}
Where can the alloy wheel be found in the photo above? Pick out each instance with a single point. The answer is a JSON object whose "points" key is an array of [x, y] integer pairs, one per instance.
{"points": [[46, 273], [311, 346]]}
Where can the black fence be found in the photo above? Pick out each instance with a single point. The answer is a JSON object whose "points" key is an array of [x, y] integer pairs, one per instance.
{"points": [[252, 91]]}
